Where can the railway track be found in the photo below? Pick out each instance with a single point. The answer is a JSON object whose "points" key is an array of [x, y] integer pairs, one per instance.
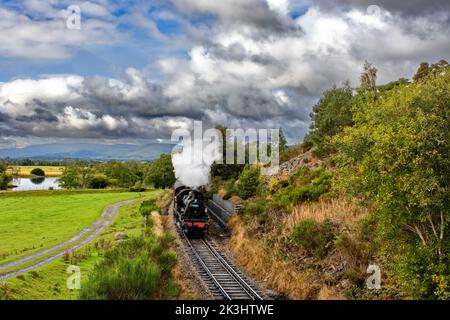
{"points": [[223, 279]]}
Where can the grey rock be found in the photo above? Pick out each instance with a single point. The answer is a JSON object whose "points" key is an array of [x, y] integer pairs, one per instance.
{"points": [[120, 236]]}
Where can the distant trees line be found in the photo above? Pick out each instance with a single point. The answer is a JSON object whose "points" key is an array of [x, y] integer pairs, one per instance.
{"points": [[80, 174], [133, 175], [41, 163]]}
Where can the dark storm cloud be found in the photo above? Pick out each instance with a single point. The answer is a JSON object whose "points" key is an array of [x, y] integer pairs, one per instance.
{"points": [[405, 7], [42, 113], [4, 117], [252, 13]]}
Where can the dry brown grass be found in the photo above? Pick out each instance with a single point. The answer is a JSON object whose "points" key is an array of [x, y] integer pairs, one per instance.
{"points": [[329, 293], [158, 228], [284, 276], [235, 200], [221, 192], [279, 275], [340, 211]]}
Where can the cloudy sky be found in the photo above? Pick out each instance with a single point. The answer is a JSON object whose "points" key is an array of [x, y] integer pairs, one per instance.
{"points": [[137, 70]]}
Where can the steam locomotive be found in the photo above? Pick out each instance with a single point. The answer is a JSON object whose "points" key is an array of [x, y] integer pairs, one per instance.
{"points": [[190, 212]]}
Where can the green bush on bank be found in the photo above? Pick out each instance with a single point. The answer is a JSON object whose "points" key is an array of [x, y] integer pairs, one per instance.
{"points": [[313, 237], [304, 185]]}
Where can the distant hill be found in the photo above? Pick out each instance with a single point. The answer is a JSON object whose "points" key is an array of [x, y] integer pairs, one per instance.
{"points": [[61, 151]]}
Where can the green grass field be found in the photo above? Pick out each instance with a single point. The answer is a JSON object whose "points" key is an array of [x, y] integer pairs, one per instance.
{"points": [[49, 281], [24, 171], [30, 221]]}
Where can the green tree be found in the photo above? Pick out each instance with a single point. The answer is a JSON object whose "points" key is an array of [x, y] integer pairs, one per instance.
{"points": [[5, 179], [283, 142], [38, 172], [425, 69], [98, 181], [329, 116], [226, 171], [369, 78], [249, 182], [422, 72], [397, 155], [70, 178], [160, 173], [3, 166]]}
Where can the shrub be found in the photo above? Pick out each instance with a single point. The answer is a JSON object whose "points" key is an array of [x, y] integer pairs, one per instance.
{"points": [[137, 187], [313, 237], [421, 275], [256, 207], [38, 172], [249, 182], [136, 269], [229, 188], [147, 207], [273, 184]]}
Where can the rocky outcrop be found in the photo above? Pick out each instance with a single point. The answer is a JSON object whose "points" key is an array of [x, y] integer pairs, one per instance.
{"points": [[291, 166]]}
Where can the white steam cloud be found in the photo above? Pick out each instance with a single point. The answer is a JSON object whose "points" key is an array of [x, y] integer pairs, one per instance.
{"points": [[192, 164]]}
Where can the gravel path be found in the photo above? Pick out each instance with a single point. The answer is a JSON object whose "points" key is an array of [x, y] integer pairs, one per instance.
{"points": [[98, 226]]}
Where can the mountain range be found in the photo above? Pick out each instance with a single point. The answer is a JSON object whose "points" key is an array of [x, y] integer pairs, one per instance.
{"points": [[88, 151]]}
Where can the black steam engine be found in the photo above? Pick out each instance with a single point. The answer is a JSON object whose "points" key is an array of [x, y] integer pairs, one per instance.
{"points": [[190, 211]]}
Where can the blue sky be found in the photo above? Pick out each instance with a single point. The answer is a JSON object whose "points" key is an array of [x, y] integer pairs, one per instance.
{"points": [[138, 48], [141, 69]]}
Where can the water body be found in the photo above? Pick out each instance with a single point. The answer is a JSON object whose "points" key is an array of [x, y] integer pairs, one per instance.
{"points": [[42, 183]]}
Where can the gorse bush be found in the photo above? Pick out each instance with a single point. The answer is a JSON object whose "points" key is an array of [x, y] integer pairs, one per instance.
{"points": [[136, 269], [304, 185], [313, 237], [256, 207]]}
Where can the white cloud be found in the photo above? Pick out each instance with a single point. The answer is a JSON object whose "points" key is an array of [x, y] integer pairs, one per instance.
{"points": [[44, 35], [257, 67]]}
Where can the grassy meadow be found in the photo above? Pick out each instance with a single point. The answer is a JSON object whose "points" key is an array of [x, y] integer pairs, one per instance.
{"points": [[30, 221], [49, 281]]}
